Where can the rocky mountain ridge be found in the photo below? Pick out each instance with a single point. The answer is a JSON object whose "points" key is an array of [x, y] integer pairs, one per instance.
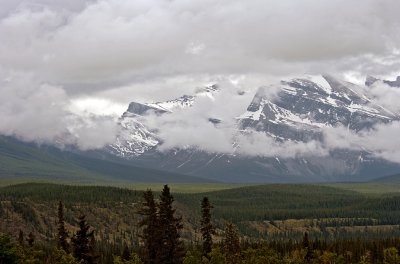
{"points": [[299, 112]]}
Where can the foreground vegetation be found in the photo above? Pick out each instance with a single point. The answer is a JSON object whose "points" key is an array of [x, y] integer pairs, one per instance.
{"points": [[268, 223]]}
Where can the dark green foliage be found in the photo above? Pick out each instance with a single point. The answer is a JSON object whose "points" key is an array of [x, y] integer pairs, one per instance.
{"points": [[325, 241], [62, 234], [8, 251], [80, 242], [151, 227], [67, 193], [290, 201], [171, 250], [231, 243], [207, 229], [25, 211]]}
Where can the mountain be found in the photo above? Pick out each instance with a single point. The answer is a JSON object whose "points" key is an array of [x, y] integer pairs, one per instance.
{"points": [[392, 179], [19, 160], [135, 138], [371, 80], [299, 112]]}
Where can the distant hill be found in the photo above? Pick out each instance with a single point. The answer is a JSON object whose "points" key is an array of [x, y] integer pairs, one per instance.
{"points": [[19, 160], [392, 179]]}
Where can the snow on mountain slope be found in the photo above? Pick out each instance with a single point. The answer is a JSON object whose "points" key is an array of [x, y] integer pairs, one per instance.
{"points": [[185, 100], [135, 138], [299, 112]]}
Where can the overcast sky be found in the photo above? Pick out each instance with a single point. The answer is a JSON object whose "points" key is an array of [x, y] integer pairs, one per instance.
{"points": [[72, 66]]}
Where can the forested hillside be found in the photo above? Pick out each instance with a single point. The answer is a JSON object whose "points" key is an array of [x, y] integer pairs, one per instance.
{"points": [[270, 213]]}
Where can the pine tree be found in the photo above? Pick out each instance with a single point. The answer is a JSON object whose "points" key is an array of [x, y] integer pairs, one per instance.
{"points": [[80, 241], [307, 247], [150, 224], [207, 229], [62, 232], [231, 243], [171, 249]]}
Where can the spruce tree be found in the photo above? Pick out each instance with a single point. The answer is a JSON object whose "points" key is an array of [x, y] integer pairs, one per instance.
{"points": [[231, 243], [80, 241], [307, 247], [62, 234], [171, 249], [207, 229], [150, 224]]}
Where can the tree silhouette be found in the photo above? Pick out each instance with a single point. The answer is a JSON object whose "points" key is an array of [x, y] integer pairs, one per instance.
{"points": [[80, 241], [207, 229], [307, 247], [171, 249], [150, 224], [62, 234], [231, 243]]}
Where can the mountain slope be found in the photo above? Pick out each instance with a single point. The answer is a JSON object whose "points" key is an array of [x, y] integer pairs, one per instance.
{"points": [[392, 179], [28, 161]]}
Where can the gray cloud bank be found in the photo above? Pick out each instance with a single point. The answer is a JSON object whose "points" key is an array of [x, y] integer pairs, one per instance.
{"points": [[118, 40], [55, 52], [33, 111]]}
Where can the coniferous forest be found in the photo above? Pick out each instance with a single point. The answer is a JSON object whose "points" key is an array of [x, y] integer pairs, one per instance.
{"points": [[49, 223]]}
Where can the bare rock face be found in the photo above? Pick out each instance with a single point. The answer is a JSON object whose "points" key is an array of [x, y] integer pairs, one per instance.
{"points": [[299, 112]]}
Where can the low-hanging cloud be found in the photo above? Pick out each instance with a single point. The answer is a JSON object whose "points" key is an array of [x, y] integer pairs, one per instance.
{"points": [[37, 112], [191, 128], [380, 141]]}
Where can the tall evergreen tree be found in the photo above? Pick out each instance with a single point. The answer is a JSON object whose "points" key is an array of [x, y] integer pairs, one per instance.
{"points": [[307, 247], [207, 229], [171, 249], [231, 243], [62, 234], [150, 224], [80, 241]]}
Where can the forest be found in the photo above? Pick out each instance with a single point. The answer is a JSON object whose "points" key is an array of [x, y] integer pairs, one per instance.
{"points": [[53, 223]]}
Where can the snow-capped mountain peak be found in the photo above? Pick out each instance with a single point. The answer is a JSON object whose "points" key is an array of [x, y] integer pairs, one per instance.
{"points": [[299, 112]]}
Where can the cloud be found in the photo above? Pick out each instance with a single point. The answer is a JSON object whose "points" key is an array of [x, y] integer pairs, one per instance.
{"points": [[259, 144], [386, 96], [34, 111], [120, 41], [63, 62], [191, 128], [381, 141]]}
